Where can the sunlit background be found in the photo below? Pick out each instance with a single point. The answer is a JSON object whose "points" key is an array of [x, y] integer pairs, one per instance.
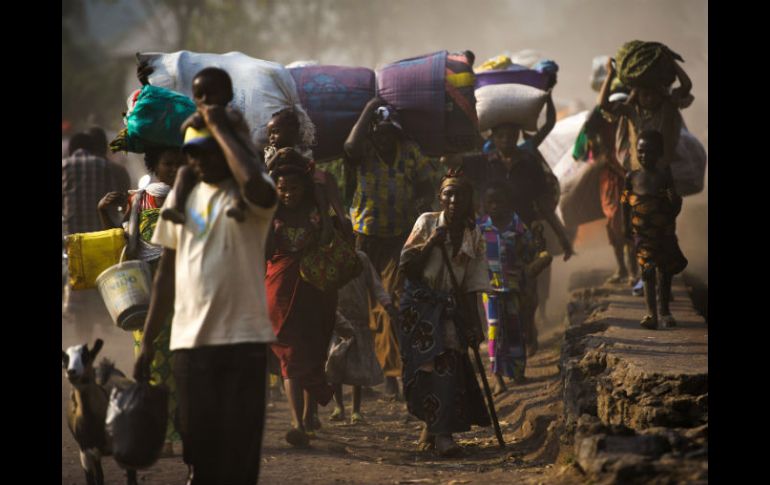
{"points": [[101, 37]]}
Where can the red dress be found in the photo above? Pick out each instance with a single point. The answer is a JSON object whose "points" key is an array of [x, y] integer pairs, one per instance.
{"points": [[302, 316]]}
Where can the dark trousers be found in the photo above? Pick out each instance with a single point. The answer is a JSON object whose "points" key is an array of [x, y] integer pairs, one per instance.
{"points": [[221, 394]]}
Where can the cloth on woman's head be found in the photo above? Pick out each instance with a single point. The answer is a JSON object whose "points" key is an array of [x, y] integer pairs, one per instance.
{"points": [[455, 177], [289, 161], [158, 189]]}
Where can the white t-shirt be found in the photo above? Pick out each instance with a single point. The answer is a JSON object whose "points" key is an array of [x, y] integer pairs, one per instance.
{"points": [[220, 269]]}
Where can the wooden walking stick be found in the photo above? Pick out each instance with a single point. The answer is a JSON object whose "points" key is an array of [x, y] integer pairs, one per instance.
{"points": [[479, 363]]}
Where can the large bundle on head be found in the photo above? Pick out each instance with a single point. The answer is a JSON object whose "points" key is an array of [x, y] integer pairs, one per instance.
{"points": [[515, 95], [154, 118], [688, 168], [334, 97], [434, 96], [260, 88], [646, 64]]}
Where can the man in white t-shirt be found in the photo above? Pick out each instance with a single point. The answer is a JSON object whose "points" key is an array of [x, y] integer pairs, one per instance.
{"points": [[212, 272]]}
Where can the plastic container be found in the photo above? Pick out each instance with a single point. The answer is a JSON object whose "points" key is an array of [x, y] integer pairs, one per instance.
{"points": [[125, 289], [90, 253]]}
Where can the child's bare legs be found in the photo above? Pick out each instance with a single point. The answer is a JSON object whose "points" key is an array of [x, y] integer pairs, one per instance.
{"points": [[310, 414], [183, 185], [664, 297], [633, 265], [621, 275], [650, 321], [294, 393], [339, 409]]}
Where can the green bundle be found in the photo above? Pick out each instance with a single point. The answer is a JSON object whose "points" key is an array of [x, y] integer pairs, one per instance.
{"points": [[646, 64]]}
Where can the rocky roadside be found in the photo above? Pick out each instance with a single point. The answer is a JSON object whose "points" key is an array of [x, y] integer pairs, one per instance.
{"points": [[635, 400]]}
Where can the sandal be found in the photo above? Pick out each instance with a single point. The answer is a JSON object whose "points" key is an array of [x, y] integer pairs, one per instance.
{"points": [[427, 441], [337, 415], [649, 322]]}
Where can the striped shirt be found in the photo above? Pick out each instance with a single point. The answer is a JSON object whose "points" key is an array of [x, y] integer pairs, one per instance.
{"points": [[85, 179], [384, 202]]}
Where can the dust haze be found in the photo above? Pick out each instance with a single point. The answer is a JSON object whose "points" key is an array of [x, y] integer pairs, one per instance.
{"points": [[369, 33]]}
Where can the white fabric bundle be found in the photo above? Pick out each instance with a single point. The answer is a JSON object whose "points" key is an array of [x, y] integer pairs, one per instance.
{"points": [[260, 88], [561, 140], [688, 168], [301, 64], [527, 58], [509, 103]]}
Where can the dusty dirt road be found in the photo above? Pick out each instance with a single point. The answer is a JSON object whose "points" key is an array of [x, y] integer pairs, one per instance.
{"points": [[382, 450]]}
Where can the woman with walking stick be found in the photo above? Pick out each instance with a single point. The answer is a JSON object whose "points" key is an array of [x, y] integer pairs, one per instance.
{"points": [[438, 323]]}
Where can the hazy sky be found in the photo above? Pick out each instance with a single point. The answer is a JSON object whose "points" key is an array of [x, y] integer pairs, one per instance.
{"points": [[369, 33]]}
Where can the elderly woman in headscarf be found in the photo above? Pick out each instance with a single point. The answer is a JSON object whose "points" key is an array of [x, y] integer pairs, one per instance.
{"points": [[444, 262]]}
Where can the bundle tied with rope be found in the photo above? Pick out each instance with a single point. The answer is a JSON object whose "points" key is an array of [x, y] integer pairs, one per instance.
{"points": [[646, 64], [153, 119]]}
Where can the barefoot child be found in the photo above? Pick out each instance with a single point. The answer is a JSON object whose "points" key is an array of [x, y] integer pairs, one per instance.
{"points": [[355, 301], [509, 248], [650, 207]]}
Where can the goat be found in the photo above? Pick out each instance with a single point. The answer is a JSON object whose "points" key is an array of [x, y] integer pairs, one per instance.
{"points": [[87, 407]]}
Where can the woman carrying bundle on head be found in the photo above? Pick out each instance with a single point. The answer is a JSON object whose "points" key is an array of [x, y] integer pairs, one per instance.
{"points": [[284, 130], [302, 315]]}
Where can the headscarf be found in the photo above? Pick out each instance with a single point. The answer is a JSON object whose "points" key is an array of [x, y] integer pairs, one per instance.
{"points": [[457, 178], [291, 162]]}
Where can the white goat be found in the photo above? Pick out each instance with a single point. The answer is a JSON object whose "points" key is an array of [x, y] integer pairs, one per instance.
{"points": [[87, 407]]}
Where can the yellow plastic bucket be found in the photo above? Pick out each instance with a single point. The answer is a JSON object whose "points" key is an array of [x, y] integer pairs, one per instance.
{"points": [[125, 289]]}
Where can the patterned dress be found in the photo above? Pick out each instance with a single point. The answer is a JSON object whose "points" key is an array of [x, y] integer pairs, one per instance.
{"points": [[508, 251], [160, 369], [653, 222], [439, 383], [302, 315]]}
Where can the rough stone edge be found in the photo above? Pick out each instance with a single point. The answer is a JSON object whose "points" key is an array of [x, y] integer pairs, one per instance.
{"points": [[679, 454]]}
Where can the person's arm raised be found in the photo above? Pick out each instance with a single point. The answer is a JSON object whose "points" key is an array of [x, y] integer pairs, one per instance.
{"points": [[355, 141], [604, 93], [550, 122]]}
